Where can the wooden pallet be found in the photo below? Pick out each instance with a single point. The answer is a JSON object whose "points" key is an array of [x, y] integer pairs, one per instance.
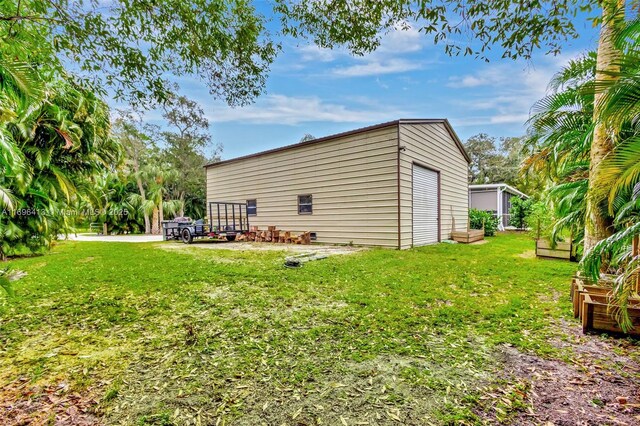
{"points": [[274, 235]]}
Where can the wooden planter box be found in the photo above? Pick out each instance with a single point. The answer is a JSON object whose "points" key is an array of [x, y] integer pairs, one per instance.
{"points": [[469, 236], [562, 250], [592, 304], [581, 290], [596, 316]]}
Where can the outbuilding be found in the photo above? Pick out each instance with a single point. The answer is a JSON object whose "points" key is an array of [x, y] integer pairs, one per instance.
{"points": [[397, 184], [495, 198]]}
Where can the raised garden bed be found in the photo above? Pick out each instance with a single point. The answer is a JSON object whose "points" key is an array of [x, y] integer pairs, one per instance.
{"points": [[597, 315], [579, 290], [469, 236], [593, 305], [561, 250]]}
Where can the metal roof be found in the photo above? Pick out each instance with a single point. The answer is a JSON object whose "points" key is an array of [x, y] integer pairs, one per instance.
{"points": [[444, 121], [503, 186]]}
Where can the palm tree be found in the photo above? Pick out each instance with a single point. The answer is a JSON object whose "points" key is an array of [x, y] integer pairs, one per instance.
{"points": [[559, 140], [618, 176], [56, 146], [134, 142], [157, 182], [598, 222], [20, 88]]}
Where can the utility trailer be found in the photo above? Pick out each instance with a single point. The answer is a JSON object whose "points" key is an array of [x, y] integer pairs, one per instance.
{"points": [[225, 220]]}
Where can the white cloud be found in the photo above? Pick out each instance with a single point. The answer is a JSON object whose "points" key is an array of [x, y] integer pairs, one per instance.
{"points": [[313, 53], [377, 67], [281, 109], [391, 57], [509, 118], [510, 91], [402, 41]]}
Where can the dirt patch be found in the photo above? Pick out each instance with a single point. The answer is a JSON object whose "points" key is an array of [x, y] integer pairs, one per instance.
{"points": [[52, 405], [529, 254], [598, 384], [246, 246], [479, 243]]}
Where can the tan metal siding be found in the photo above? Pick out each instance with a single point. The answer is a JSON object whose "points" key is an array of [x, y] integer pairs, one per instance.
{"points": [[431, 145], [353, 180]]}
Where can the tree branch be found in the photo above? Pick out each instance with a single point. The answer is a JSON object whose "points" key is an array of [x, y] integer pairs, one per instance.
{"points": [[28, 18]]}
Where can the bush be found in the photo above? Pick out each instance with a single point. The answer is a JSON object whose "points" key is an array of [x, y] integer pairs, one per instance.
{"points": [[540, 221], [478, 217], [519, 211]]}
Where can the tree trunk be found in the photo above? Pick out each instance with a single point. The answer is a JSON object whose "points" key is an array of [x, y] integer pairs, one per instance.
{"points": [[143, 196], [155, 226], [598, 224], [181, 212]]}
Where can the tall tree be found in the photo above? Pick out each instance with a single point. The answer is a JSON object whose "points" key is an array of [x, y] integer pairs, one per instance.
{"points": [[559, 140], [135, 143], [184, 149], [495, 160], [482, 150], [60, 150], [597, 223]]}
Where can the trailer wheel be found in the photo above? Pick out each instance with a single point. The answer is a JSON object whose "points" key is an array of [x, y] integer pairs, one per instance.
{"points": [[231, 237], [187, 238]]}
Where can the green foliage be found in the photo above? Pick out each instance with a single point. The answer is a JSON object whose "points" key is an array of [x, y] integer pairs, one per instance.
{"points": [[481, 218], [56, 152], [121, 212], [561, 133], [559, 139], [520, 211], [514, 28], [616, 250], [133, 46], [540, 220], [495, 161], [157, 183]]}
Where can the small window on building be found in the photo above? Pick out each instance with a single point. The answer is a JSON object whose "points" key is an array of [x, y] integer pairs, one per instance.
{"points": [[305, 204], [252, 207]]}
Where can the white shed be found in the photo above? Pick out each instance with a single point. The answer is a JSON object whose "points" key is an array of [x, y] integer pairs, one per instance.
{"points": [[495, 198]]}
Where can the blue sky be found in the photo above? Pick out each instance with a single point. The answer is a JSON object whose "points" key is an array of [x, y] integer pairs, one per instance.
{"points": [[321, 92]]}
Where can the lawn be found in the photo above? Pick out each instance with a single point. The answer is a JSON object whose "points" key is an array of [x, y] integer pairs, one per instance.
{"points": [[127, 333]]}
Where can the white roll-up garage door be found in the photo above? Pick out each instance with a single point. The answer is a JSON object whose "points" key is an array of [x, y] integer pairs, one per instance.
{"points": [[425, 206]]}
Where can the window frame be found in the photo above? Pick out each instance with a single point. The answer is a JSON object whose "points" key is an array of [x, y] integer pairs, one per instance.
{"points": [[255, 207], [309, 204]]}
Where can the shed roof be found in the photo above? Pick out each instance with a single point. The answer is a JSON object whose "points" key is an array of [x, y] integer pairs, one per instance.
{"points": [[443, 121], [502, 186]]}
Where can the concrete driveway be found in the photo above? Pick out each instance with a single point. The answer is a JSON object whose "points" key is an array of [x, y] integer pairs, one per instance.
{"points": [[114, 238]]}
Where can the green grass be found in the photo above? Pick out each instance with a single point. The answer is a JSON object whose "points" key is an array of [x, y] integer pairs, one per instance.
{"points": [[188, 335]]}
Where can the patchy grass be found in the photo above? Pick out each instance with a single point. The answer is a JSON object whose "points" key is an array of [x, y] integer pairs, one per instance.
{"points": [[205, 336]]}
